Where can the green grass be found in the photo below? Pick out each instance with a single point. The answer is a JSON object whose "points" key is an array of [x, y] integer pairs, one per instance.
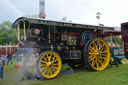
{"points": [[110, 76]]}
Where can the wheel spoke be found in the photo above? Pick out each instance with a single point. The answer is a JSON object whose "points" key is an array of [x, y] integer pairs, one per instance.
{"points": [[49, 71], [55, 61], [102, 58], [101, 49], [55, 65], [102, 46], [43, 68], [92, 63], [100, 62], [92, 58], [103, 52], [43, 65], [92, 48], [46, 73], [97, 63], [49, 58], [43, 61], [92, 53], [53, 69], [98, 44], [95, 46]]}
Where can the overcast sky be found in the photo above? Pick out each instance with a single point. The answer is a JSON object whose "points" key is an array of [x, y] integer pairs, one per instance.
{"points": [[113, 12]]}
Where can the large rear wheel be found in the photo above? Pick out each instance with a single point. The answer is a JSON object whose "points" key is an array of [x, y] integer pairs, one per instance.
{"points": [[97, 54], [49, 64]]}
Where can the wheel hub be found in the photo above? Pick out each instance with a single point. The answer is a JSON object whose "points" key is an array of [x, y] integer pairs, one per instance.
{"points": [[97, 53], [49, 64]]}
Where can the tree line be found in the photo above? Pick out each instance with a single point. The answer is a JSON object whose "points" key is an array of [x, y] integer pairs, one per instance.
{"points": [[7, 33]]}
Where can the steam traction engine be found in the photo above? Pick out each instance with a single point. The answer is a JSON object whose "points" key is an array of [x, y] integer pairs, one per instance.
{"points": [[62, 42]]}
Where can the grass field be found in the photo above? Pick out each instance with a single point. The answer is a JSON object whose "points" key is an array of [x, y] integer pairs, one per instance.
{"points": [[111, 76]]}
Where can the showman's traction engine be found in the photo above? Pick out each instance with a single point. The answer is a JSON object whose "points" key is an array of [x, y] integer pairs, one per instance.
{"points": [[57, 43]]}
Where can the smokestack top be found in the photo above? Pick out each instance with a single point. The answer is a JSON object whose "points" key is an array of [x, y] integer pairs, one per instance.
{"points": [[42, 9], [42, 16]]}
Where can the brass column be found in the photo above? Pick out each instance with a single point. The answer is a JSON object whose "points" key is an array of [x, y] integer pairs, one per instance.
{"points": [[18, 32], [24, 32]]}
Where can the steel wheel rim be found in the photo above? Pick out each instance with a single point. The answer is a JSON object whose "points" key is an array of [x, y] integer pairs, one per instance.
{"points": [[99, 54], [50, 64]]}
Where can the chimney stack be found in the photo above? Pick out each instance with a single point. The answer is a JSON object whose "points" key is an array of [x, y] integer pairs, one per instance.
{"points": [[42, 9]]}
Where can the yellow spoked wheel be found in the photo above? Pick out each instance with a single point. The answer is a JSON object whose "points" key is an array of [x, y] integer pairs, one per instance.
{"points": [[49, 64], [97, 54]]}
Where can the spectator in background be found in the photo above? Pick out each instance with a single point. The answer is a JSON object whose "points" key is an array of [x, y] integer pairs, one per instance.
{"points": [[19, 51], [1, 67], [4, 58], [9, 57]]}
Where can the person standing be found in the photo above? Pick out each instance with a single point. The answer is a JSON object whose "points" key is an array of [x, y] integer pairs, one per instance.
{"points": [[19, 51], [9, 57], [1, 67], [4, 58]]}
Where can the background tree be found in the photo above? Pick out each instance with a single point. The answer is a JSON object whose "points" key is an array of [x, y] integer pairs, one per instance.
{"points": [[7, 34]]}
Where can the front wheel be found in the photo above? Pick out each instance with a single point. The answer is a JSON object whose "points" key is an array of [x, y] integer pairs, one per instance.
{"points": [[97, 54], [49, 64]]}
